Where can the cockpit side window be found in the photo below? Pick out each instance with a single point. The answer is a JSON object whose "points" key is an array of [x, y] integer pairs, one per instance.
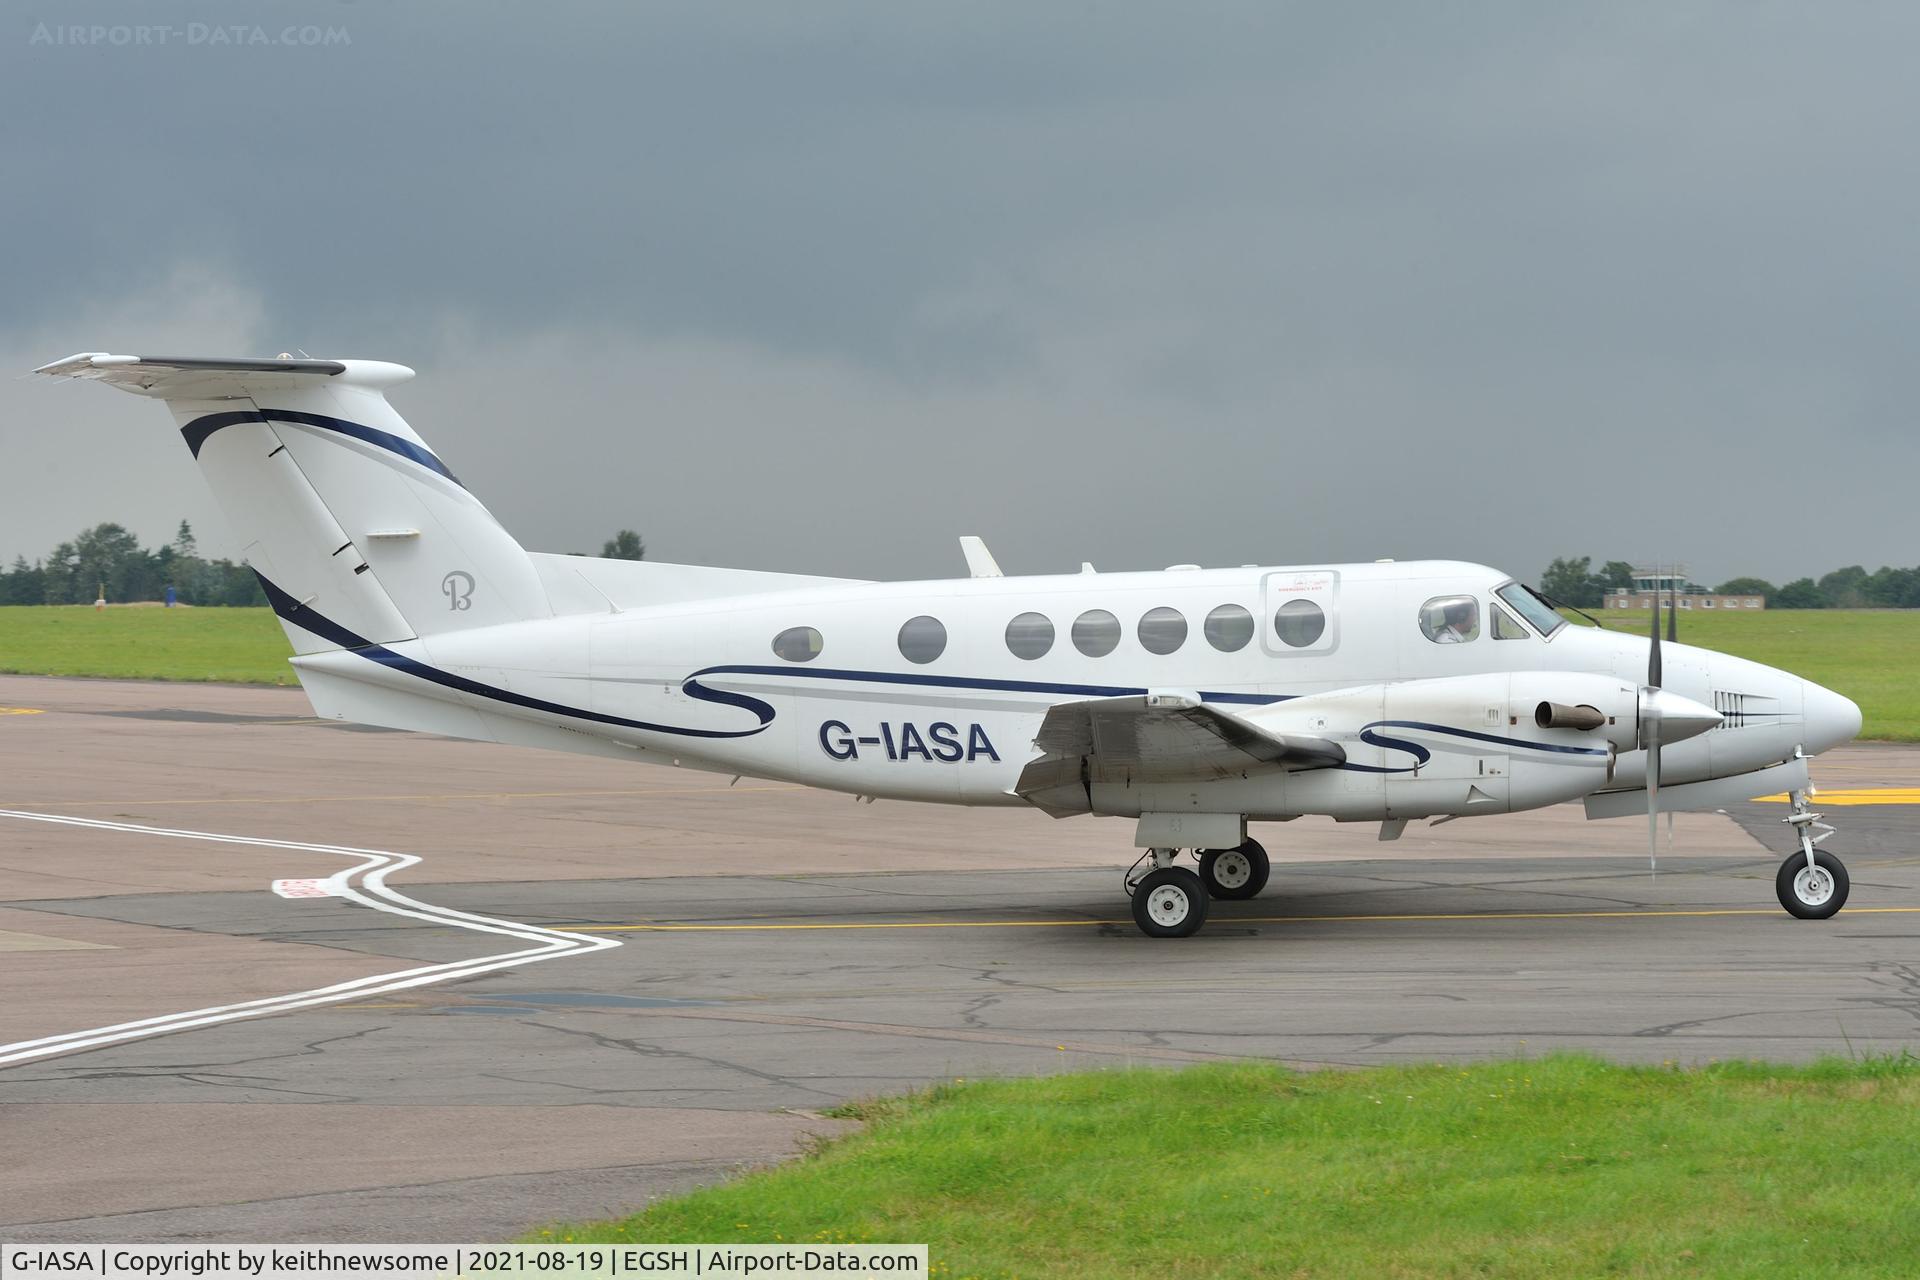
{"points": [[1450, 619], [1504, 626], [1532, 608]]}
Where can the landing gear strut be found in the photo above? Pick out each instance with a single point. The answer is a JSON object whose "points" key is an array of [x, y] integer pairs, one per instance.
{"points": [[1811, 884]]}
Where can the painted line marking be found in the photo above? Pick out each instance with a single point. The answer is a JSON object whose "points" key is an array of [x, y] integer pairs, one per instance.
{"points": [[1840, 797], [303, 888], [717, 789], [21, 711], [364, 883], [1225, 920]]}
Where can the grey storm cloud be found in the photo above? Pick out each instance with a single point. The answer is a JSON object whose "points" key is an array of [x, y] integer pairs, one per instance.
{"points": [[818, 287]]}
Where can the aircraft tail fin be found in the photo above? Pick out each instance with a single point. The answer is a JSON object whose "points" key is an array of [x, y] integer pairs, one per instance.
{"points": [[360, 532]]}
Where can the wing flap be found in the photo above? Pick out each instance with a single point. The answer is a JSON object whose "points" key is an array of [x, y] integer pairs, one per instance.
{"points": [[1155, 737]]}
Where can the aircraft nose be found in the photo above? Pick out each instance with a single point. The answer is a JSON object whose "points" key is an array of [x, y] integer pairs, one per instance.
{"points": [[1831, 719]]}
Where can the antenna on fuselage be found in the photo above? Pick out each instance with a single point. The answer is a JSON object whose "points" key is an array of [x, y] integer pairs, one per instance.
{"points": [[980, 561]]}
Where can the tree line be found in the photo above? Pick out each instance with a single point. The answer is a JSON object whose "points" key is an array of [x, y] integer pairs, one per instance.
{"points": [[1574, 581], [107, 557], [110, 558]]}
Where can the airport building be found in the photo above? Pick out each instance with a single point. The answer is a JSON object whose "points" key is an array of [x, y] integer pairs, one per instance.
{"points": [[1671, 584]]}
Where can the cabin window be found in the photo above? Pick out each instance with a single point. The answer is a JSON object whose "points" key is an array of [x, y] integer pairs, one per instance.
{"points": [[1096, 633], [1504, 626], [1450, 619], [1299, 623], [1030, 635], [797, 644], [922, 639], [1162, 630], [1228, 628]]}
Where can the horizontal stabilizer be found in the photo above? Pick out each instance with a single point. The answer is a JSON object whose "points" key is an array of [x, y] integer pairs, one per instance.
{"points": [[216, 378]]}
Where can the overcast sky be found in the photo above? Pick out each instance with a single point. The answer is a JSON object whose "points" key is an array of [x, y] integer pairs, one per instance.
{"points": [[820, 286]]}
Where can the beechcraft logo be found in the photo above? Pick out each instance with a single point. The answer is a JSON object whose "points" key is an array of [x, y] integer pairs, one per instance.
{"points": [[457, 587]]}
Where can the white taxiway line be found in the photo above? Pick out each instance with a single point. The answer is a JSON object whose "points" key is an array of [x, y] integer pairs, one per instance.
{"points": [[364, 883]]}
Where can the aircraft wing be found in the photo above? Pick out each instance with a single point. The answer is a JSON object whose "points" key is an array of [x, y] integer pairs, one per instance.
{"points": [[1155, 737]]}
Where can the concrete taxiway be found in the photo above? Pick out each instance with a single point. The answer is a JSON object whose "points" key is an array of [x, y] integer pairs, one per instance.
{"points": [[454, 1051]]}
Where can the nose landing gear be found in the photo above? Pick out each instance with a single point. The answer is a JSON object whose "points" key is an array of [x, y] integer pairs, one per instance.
{"points": [[1811, 884]]}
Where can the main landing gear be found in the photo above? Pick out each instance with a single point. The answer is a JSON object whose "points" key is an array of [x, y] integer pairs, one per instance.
{"points": [[1811, 883], [1171, 902]]}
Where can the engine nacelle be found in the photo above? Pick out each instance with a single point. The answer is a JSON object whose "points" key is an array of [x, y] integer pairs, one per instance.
{"points": [[1461, 744]]}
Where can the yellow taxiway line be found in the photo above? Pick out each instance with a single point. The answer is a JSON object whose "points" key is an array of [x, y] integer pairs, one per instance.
{"points": [[1840, 797], [21, 711], [1049, 924]]}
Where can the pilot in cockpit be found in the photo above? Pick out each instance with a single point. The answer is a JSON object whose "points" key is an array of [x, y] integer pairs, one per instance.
{"points": [[1459, 623]]}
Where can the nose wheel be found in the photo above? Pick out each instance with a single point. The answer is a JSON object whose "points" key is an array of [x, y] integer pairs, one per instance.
{"points": [[1811, 884], [1812, 892]]}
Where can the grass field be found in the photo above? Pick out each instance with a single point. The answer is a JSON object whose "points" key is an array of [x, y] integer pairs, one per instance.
{"points": [[1871, 656], [1565, 1166], [242, 645]]}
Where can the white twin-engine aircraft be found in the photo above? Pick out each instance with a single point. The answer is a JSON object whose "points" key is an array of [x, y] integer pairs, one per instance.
{"points": [[1191, 700]]}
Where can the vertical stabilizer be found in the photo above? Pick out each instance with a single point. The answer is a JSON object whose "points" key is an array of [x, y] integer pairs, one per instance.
{"points": [[339, 504]]}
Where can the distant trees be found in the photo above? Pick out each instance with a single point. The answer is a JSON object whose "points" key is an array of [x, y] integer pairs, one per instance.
{"points": [[1571, 581], [1616, 575], [1745, 587], [108, 555], [1801, 593], [624, 545]]}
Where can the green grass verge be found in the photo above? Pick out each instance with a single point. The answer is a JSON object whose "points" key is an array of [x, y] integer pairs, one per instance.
{"points": [[242, 645], [1566, 1166], [1872, 656]]}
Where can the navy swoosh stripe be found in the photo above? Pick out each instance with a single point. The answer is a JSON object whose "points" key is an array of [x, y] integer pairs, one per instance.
{"points": [[1488, 737], [960, 682], [308, 619], [196, 432], [1367, 735], [1421, 754]]}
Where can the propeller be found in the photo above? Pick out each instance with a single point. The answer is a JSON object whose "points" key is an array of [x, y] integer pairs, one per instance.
{"points": [[1650, 735], [1673, 636], [1665, 717]]}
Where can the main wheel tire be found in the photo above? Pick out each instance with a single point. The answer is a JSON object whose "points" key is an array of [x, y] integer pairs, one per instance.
{"points": [[1812, 894], [1239, 872], [1170, 903]]}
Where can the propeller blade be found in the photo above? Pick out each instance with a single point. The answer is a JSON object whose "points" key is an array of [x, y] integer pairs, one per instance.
{"points": [[1653, 797], [1653, 653]]}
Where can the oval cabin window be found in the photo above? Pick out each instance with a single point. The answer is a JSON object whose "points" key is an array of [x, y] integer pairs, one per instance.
{"points": [[1096, 633], [797, 644], [922, 639], [1162, 630], [1030, 636], [1299, 623], [1229, 627]]}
